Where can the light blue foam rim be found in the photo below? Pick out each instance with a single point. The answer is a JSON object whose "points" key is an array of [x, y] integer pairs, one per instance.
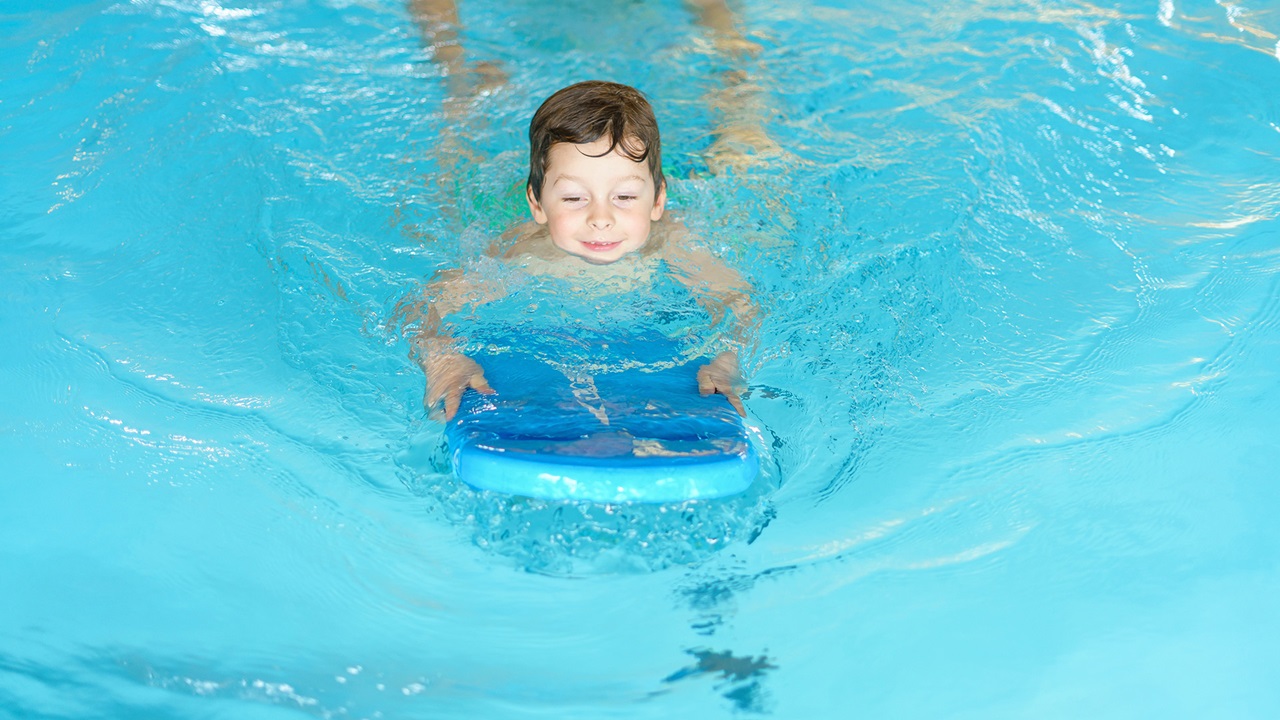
{"points": [[548, 478]]}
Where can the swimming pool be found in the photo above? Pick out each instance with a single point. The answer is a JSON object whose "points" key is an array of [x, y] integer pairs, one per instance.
{"points": [[1016, 390]]}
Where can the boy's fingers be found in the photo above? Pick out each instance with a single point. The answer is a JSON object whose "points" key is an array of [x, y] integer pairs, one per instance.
{"points": [[439, 389], [705, 388], [451, 402], [479, 384], [736, 402], [706, 385]]}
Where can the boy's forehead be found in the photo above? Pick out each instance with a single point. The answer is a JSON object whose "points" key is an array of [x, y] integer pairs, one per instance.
{"points": [[581, 180], [571, 161]]}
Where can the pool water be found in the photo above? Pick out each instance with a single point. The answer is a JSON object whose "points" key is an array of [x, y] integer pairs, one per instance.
{"points": [[1015, 391]]}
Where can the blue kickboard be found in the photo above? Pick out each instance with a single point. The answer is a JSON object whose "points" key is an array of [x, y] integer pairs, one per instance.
{"points": [[636, 436]]}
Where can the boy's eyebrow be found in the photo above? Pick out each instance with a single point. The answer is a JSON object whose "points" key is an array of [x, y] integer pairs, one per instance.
{"points": [[575, 178]]}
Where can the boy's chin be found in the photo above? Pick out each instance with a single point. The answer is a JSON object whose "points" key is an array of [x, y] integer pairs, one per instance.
{"points": [[597, 257], [597, 260]]}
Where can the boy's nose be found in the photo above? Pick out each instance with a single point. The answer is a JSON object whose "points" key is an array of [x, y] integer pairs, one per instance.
{"points": [[600, 217]]}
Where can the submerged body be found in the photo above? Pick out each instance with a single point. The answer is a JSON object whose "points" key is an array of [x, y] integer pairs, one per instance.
{"points": [[598, 201], [620, 318]]}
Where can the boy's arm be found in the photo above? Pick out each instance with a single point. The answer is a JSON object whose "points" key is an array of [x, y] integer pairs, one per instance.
{"points": [[719, 289], [449, 373], [722, 291]]}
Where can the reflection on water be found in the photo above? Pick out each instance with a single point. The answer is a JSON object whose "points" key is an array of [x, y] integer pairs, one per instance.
{"points": [[741, 677]]}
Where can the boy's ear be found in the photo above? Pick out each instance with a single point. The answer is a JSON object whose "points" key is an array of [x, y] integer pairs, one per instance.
{"points": [[535, 207], [659, 203]]}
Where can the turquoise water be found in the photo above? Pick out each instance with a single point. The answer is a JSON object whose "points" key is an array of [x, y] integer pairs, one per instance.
{"points": [[1016, 386]]}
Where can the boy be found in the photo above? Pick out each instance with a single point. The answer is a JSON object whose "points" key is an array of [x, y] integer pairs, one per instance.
{"points": [[598, 200]]}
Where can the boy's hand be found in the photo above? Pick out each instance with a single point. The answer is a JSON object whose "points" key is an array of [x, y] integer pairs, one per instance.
{"points": [[721, 376], [448, 376]]}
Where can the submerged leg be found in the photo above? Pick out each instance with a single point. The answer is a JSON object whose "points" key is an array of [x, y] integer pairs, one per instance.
{"points": [[740, 139]]}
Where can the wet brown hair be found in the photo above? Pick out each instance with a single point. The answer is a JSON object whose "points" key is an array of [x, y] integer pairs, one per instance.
{"points": [[587, 111]]}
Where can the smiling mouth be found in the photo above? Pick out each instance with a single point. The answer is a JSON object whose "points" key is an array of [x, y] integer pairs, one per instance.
{"points": [[601, 246]]}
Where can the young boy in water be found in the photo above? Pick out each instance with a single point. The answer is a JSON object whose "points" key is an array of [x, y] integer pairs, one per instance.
{"points": [[598, 200]]}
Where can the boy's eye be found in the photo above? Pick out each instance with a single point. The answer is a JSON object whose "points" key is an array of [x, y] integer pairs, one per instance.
{"points": [[572, 199], [626, 197]]}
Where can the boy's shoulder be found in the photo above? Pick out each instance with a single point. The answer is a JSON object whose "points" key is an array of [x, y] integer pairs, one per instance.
{"points": [[527, 240]]}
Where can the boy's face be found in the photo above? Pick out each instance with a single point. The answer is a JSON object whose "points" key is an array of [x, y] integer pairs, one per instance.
{"points": [[597, 208]]}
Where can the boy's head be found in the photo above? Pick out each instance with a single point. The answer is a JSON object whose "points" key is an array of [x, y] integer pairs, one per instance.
{"points": [[595, 170], [587, 111]]}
